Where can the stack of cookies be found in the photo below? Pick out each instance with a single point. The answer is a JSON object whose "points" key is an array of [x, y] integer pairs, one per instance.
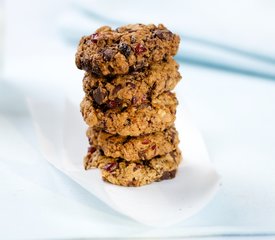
{"points": [[128, 103]]}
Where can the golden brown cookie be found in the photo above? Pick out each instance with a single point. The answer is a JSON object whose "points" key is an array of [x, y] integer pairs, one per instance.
{"points": [[144, 147], [120, 172], [150, 117], [128, 48], [132, 88]]}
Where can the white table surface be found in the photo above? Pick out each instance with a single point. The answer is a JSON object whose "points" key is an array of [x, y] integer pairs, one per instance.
{"points": [[236, 115]]}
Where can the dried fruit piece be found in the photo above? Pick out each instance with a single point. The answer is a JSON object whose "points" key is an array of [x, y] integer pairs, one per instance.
{"points": [[140, 48], [146, 141], [116, 89], [110, 167], [111, 104], [91, 149], [94, 37], [154, 147], [114, 103]]}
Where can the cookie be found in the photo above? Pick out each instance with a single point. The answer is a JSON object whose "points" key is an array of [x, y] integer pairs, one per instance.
{"points": [[132, 88], [120, 172], [128, 48], [144, 147], [152, 116]]}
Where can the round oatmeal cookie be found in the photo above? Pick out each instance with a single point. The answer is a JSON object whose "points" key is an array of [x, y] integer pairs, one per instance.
{"points": [[128, 48], [153, 116], [134, 88], [133, 174], [144, 147]]}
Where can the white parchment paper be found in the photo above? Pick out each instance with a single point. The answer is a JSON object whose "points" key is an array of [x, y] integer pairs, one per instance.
{"points": [[61, 134]]}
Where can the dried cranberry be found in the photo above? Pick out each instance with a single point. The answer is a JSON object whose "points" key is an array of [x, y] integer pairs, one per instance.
{"points": [[111, 104], [146, 141], [140, 49], [94, 37], [110, 167], [116, 89], [154, 147], [114, 103], [91, 149]]}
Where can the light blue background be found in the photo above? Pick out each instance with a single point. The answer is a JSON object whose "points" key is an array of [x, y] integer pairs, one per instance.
{"points": [[235, 113]]}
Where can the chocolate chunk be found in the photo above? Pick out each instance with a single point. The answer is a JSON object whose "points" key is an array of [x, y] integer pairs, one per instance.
{"points": [[168, 175], [95, 68], [163, 34], [108, 54], [85, 65], [99, 95], [125, 49]]}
